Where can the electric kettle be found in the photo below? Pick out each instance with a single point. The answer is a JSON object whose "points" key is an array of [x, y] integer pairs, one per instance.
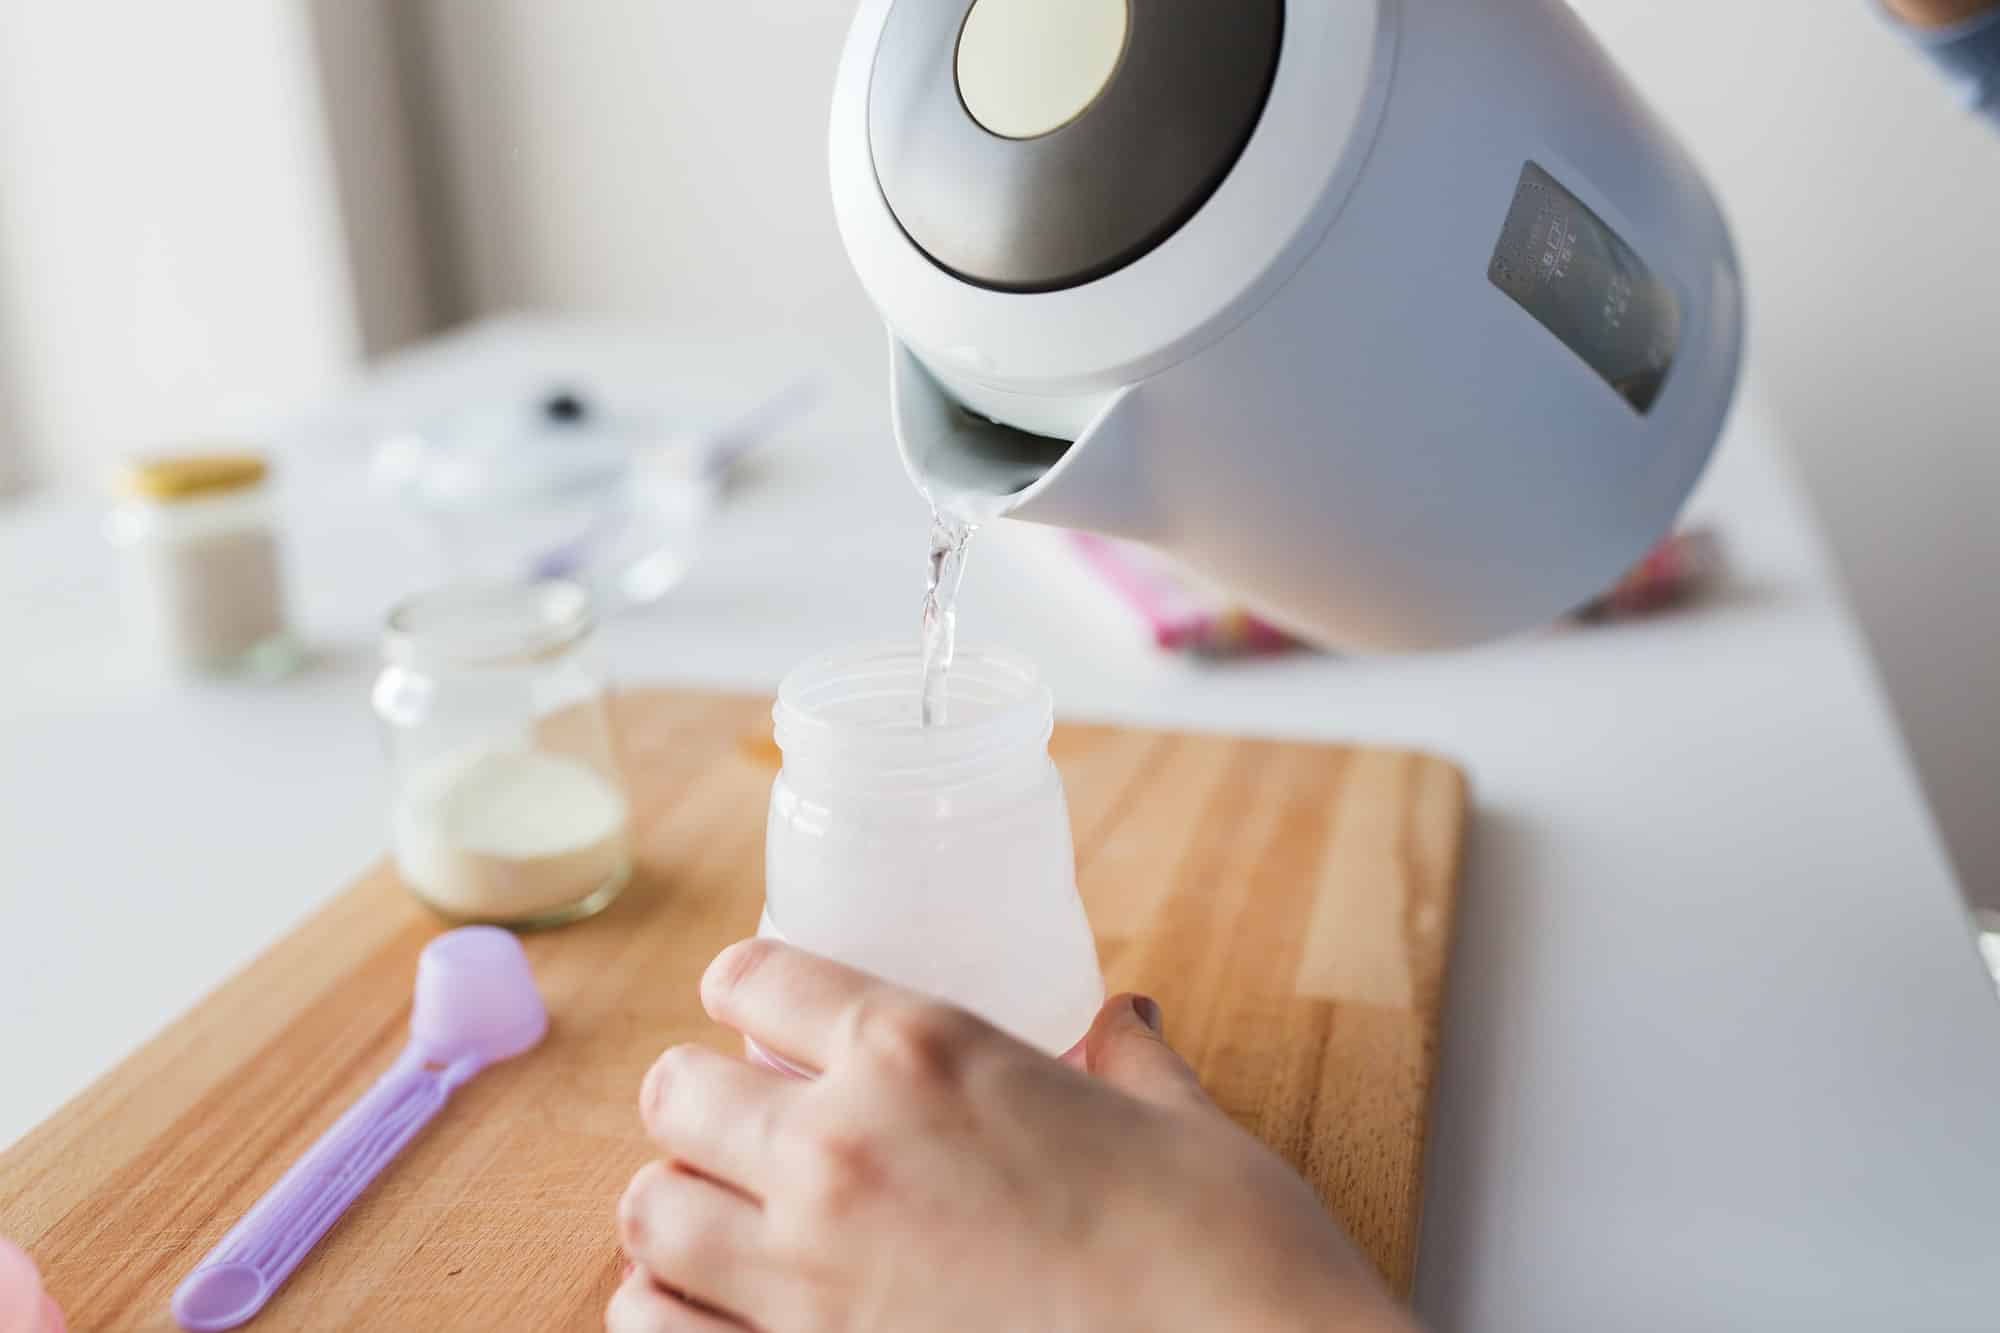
{"points": [[1408, 320]]}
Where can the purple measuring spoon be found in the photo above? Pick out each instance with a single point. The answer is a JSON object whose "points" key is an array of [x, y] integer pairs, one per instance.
{"points": [[476, 1004]]}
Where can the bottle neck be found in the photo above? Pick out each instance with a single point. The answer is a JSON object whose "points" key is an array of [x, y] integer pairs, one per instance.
{"points": [[849, 726], [473, 628]]}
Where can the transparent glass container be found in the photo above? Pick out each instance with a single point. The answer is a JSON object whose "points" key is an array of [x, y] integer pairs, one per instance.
{"points": [[939, 858], [560, 487], [508, 805]]}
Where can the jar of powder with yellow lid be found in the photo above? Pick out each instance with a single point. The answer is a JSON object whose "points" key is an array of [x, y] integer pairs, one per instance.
{"points": [[204, 582]]}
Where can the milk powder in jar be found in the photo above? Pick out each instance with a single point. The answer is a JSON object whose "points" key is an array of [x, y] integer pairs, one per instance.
{"points": [[509, 807]]}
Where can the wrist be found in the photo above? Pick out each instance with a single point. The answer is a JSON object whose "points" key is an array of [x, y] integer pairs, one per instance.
{"points": [[1380, 1314], [1343, 1297]]}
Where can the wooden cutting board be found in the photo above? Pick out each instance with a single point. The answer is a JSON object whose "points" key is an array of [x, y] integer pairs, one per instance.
{"points": [[1289, 905]]}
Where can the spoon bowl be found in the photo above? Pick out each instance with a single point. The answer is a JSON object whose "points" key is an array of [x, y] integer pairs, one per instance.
{"points": [[476, 998]]}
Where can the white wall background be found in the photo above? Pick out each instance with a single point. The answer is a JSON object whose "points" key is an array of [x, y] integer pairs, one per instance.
{"points": [[365, 87], [1868, 205], [13, 442], [171, 258], [640, 156]]}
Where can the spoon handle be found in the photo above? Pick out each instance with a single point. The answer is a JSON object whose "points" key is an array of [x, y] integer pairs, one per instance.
{"points": [[250, 1263]]}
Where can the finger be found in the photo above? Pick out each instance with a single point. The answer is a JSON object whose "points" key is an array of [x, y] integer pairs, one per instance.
{"points": [[640, 1306], [1127, 1049], [795, 1004], [716, 1114], [20, 1288], [692, 1236]]}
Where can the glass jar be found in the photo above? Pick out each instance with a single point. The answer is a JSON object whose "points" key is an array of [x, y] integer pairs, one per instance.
{"points": [[204, 590], [508, 805], [562, 486], [937, 857]]}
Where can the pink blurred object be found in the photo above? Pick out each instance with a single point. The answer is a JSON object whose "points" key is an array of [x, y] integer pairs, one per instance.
{"points": [[1183, 618], [1677, 570], [24, 1306]]}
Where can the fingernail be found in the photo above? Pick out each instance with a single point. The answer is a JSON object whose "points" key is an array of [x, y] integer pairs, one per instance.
{"points": [[1148, 1010]]}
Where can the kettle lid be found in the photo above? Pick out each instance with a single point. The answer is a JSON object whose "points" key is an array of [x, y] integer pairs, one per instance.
{"points": [[1037, 145]]}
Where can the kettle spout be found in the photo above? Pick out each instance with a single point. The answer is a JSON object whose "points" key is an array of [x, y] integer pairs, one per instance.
{"points": [[963, 454]]}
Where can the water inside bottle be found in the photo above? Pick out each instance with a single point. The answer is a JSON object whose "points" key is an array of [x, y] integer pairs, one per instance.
{"points": [[951, 534]]}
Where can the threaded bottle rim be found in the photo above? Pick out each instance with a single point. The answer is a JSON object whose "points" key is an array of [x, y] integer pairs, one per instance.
{"points": [[854, 713]]}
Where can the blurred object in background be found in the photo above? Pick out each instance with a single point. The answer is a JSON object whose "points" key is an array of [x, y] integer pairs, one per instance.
{"points": [[203, 577], [1183, 614], [1680, 568], [571, 484]]}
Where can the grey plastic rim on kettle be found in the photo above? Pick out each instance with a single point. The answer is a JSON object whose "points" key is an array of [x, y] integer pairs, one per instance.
{"points": [[1099, 192]]}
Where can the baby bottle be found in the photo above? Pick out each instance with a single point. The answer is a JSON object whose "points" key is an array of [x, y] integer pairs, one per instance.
{"points": [[936, 857]]}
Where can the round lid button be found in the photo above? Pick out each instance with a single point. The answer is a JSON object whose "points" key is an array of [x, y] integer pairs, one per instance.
{"points": [[1036, 145], [1029, 67]]}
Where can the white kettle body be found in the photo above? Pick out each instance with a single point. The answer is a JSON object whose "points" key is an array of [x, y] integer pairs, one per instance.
{"points": [[1406, 319]]}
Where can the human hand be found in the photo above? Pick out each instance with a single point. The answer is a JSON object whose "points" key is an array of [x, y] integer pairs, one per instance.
{"points": [[940, 1175], [1938, 13]]}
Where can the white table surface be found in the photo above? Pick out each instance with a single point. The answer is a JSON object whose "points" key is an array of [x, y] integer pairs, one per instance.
{"points": [[1720, 1051]]}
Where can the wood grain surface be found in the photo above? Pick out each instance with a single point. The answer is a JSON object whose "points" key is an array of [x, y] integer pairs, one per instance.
{"points": [[1289, 905]]}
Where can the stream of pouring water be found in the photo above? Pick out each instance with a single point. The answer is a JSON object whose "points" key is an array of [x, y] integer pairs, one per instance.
{"points": [[950, 535]]}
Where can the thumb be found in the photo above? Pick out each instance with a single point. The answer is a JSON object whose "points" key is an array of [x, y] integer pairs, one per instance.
{"points": [[1127, 1049]]}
